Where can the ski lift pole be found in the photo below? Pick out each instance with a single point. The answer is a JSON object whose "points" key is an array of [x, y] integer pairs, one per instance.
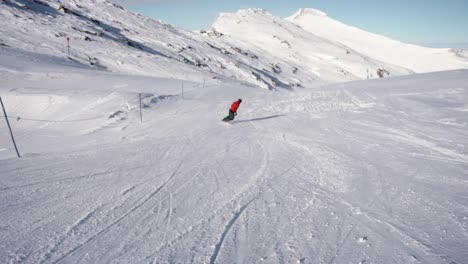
{"points": [[9, 127]]}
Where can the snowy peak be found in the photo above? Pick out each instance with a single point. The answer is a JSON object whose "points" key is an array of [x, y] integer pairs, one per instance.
{"points": [[242, 14], [254, 11], [295, 55], [303, 12], [412, 57]]}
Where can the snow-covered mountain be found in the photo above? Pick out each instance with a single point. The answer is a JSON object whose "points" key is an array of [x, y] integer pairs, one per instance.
{"points": [[292, 50], [412, 57], [104, 36], [250, 46]]}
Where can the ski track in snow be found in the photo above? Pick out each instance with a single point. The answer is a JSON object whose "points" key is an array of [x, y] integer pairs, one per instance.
{"points": [[118, 220], [226, 231]]}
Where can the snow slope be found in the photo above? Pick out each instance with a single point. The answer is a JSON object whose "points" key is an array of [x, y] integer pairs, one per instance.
{"points": [[416, 58], [108, 37], [360, 172]]}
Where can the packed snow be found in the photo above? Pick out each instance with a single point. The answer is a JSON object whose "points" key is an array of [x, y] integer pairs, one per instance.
{"points": [[371, 171], [367, 171]]}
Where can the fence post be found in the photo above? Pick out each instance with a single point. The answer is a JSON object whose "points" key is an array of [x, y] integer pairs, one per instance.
{"points": [[183, 91], [9, 127], [141, 113], [68, 45]]}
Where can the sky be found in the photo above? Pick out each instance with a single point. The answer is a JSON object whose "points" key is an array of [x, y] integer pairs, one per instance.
{"points": [[438, 23]]}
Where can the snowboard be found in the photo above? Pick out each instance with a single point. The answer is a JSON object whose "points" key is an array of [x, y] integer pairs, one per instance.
{"points": [[226, 119]]}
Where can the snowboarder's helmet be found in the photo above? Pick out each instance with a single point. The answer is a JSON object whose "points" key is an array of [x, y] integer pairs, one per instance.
{"points": [[240, 100]]}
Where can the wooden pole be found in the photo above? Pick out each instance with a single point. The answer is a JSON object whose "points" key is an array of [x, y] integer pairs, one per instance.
{"points": [[9, 127]]}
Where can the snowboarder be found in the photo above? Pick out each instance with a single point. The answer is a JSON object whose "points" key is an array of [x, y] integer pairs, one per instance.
{"points": [[233, 111]]}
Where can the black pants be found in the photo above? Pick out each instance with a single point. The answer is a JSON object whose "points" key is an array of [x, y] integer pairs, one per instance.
{"points": [[230, 117]]}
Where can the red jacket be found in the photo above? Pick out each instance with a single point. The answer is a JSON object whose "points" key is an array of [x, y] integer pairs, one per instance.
{"points": [[234, 106]]}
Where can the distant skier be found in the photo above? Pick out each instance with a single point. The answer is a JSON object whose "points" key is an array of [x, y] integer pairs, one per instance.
{"points": [[233, 111]]}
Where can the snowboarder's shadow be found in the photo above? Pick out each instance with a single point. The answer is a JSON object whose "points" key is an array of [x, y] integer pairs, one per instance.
{"points": [[256, 119]]}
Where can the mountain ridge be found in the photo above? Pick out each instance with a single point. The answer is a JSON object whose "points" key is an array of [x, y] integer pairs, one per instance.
{"points": [[418, 58], [268, 51]]}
